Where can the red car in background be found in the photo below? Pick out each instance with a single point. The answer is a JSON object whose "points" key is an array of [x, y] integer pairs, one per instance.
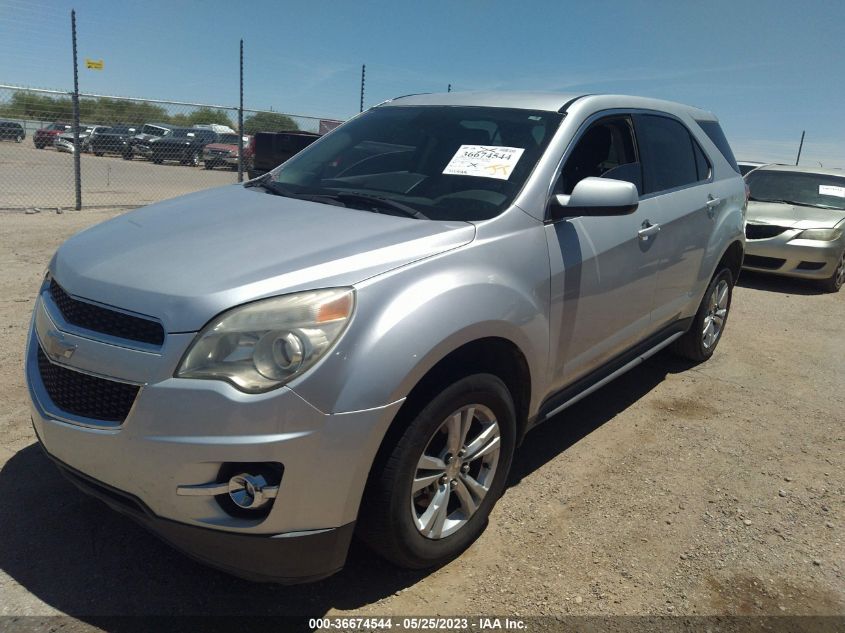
{"points": [[225, 152], [46, 136]]}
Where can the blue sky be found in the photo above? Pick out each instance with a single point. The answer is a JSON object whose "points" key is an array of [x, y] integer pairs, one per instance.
{"points": [[768, 68]]}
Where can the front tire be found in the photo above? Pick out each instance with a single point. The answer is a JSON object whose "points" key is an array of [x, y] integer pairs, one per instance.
{"points": [[18, 139], [432, 495], [699, 343], [837, 279]]}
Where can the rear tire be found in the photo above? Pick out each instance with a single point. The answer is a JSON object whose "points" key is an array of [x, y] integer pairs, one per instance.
{"points": [[157, 161], [413, 514], [18, 139], [208, 165], [699, 343], [195, 159], [837, 279]]}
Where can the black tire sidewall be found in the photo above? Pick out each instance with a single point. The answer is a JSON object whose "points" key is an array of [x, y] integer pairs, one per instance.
{"points": [[698, 323], [417, 550]]}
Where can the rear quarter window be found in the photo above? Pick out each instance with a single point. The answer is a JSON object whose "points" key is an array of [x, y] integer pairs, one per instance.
{"points": [[714, 132]]}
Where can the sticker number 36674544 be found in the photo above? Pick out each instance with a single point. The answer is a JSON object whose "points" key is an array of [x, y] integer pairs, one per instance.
{"points": [[484, 160]]}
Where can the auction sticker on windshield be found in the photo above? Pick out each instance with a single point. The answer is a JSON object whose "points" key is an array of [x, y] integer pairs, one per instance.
{"points": [[832, 190], [485, 161]]}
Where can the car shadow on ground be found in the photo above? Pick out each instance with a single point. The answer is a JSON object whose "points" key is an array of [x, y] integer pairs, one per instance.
{"points": [[83, 559], [774, 283]]}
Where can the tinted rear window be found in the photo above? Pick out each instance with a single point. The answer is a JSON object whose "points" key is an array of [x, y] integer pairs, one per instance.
{"points": [[713, 130], [668, 153]]}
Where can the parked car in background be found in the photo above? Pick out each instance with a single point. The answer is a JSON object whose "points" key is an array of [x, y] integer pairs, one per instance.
{"points": [[271, 149], [796, 223], [358, 345], [215, 127], [12, 131], [116, 139], [225, 152], [64, 142], [149, 132], [184, 145], [46, 136], [747, 165]]}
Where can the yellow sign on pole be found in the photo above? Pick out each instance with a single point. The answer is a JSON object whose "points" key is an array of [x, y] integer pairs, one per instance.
{"points": [[94, 64]]}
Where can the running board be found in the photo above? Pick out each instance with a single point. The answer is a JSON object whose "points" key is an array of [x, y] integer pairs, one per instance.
{"points": [[609, 378]]}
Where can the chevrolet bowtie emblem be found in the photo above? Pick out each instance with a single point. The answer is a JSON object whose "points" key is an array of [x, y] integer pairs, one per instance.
{"points": [[57, 347]]}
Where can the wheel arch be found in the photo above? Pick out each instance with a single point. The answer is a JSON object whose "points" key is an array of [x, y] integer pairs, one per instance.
{"points": [[731, 259], [494, 355]]}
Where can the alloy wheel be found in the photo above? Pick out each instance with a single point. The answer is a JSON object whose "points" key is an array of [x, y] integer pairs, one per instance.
{"points": [[839, 275], [455, 471], [717, 312]]}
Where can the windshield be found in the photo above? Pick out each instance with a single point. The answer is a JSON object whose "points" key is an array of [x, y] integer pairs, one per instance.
{"points": [[814, 190], [154, 130], [450, 163], [184, 133]]}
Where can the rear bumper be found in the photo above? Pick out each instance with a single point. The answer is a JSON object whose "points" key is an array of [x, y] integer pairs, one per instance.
{"points": [[288, 558]]}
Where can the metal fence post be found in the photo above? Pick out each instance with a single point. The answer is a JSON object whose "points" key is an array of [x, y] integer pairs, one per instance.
{"points": [[363, 73], [77, 170], [241, 121]]}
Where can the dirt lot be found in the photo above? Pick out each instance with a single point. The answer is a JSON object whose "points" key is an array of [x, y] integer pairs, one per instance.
{"points": [[716, 489], [44, 178]]}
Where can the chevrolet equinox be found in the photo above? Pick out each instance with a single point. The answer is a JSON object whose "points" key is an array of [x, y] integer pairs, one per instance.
{"points": [[355, 342]]}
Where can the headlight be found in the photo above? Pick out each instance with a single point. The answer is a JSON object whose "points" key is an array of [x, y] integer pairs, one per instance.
{"points": [[823, 235], [262, 345]]}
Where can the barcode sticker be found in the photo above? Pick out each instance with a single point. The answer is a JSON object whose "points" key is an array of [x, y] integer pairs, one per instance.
{"points": [[832, 190], [485, 161]]}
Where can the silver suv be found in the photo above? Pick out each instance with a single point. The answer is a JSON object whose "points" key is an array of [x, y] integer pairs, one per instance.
{"points": [[355, 342]]}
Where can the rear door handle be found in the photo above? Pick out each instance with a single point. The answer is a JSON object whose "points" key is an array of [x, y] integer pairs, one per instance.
{"points": [[712, 203], [648, 230]]}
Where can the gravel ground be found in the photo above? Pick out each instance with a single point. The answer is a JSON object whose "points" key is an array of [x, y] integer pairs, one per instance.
{"points": [[34, 178], [716, 489]]}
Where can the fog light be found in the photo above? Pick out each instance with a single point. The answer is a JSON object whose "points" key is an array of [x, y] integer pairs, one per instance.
{"points": [[251, 492]]}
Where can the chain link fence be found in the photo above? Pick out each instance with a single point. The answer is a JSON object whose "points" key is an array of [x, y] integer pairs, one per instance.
{"points": [[132, 151]]}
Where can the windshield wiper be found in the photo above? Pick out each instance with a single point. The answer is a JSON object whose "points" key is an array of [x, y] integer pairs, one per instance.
{"points": [[386, 203], [785, 201], [271, 186]]}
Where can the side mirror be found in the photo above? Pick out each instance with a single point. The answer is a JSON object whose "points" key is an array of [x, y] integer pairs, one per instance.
{"points": [[596, 196]]}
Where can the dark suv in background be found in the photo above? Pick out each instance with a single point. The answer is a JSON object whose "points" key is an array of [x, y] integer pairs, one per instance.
{"points": [[183, 144], [114, 140], [9, 130], [143, 139]]}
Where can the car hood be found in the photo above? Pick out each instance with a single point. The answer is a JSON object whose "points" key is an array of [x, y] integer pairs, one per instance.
{"points": [[187, 259], [793, 216]]}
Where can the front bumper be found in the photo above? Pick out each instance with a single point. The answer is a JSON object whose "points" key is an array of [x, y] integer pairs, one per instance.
{"points": [[182, 432], [784, 255], [283, 558], [220, 159]]}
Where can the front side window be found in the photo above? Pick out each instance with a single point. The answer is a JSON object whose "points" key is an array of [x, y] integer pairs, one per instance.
{"points": [[446, 162], [606, 150], [805, 189]]}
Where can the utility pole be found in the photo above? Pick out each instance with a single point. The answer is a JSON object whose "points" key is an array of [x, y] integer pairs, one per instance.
{"points": [[77, 170], [363, 74], [241, 121], [800, 145], [449, 88]]}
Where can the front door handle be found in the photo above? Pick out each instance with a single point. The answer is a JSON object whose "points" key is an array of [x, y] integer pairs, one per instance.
{"points": [[648, 230]]}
